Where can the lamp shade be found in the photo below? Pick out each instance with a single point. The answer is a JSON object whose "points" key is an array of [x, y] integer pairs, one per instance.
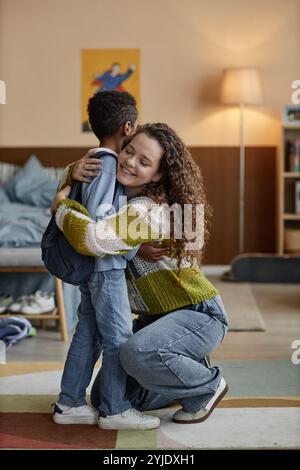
{"points": [[241, 86]]}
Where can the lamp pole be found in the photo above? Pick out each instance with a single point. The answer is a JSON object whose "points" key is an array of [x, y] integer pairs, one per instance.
{"points": [[241, 86], [242, 182]]}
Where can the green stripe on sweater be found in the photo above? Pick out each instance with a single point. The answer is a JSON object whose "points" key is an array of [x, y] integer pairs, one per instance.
{"points": [[75, 230], [132, 229], [164, 291]]}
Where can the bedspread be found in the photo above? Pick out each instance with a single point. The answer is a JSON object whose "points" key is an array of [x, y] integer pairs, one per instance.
{"points": [[22, 225]]}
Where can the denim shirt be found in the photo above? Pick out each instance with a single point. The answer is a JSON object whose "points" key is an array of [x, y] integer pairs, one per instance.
{"points": [[101, 198]]}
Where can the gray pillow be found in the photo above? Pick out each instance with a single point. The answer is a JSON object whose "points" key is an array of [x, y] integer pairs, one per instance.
{"points": [[3, 195], [31, 185]]}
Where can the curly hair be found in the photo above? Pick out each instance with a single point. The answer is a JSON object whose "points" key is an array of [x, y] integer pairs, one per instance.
{"points": [[109, 110], [181, 183]]}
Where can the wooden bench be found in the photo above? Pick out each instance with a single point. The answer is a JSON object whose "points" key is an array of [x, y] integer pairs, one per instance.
{"points": [[21, 260]]}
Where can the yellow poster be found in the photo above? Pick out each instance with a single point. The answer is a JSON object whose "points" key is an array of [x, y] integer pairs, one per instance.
{"points": [[108, 69]]}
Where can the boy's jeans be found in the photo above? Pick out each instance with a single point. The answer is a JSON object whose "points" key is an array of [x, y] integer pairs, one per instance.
{"points": [[166, 358], [104, 308]]}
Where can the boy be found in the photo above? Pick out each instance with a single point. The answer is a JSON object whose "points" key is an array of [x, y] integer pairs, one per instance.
{"points": [[103, 323]]}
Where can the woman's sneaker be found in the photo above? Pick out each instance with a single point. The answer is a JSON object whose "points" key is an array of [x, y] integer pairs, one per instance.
{"points": [[75, 415], [129, 419], [183, 417]]}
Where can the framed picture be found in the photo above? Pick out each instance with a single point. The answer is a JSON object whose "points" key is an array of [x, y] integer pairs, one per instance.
{"points": [[108, 69], [291, 115]]}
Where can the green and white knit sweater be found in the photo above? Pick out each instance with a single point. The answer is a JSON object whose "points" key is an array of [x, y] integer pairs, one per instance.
{"points": [[153, 287]]}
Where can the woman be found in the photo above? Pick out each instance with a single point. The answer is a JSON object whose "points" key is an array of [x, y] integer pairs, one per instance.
{"points": [[181, 316]]}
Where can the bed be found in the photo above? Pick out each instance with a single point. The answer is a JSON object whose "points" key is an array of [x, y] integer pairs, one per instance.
{"points": [[28, 180]]}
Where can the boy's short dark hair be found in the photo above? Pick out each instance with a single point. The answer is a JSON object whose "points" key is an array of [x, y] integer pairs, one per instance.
{"points": [[109, 111]]}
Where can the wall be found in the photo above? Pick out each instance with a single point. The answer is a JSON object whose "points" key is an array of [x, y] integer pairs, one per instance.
{"points": [[184, 47]]}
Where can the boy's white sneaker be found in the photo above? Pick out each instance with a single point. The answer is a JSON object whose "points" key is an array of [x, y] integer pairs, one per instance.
{"points": [[183, 417], [75, 415], [129, 419]]}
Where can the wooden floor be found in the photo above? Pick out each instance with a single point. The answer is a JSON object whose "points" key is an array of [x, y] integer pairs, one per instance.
{"points": [[282, 318], [280, 311]]}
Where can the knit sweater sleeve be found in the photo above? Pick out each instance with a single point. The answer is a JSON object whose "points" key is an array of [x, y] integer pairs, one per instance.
{"points": [[66, 177], [137, 222]]}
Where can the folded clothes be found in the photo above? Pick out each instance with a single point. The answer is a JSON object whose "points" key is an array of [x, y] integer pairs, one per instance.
{"points": [[13, 329]]}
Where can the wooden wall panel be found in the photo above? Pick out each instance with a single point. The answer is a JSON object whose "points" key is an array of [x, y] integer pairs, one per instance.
{"points": [[260, 203], [49, 156], [220, 169]]}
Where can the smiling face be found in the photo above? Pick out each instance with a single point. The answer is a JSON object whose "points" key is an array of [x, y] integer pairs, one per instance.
{"points": [[139, 162]]}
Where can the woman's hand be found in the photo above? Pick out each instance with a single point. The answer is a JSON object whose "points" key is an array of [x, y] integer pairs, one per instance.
{"points": [[87, 168], [153, 251], [59, 196]]}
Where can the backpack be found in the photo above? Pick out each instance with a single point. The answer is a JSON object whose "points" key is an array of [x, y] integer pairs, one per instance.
{"points": [[59, 256]]}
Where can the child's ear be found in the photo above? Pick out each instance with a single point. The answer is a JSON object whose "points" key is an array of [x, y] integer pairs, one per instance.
{"points": [[127, 128], [156, 177]]}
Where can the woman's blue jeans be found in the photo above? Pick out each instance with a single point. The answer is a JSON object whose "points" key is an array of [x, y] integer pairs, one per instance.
{"points": [[165, 360]]}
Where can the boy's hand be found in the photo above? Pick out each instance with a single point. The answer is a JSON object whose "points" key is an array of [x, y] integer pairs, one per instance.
{"points": [[87, 168], [153, 251], [59, 196]]}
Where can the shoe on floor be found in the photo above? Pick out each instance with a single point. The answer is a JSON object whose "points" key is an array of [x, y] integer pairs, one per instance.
{"points": [[183, 417], [129, 419], [75, 415]]}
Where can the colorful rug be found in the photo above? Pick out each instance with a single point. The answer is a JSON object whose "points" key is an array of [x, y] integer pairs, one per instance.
{"points": [[257, 413]]}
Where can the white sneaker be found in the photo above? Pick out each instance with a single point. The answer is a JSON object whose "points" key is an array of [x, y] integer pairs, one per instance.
{"points": [[129, 419], [5, 300], [183, 417], [17, 305], [40, 302], [75, 415]]}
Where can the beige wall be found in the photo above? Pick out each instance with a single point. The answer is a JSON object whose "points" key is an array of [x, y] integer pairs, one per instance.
{"points": [[184, 47]]}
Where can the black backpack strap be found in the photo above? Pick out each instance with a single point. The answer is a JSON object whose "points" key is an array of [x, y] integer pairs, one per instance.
{"points": [[75, 193]]}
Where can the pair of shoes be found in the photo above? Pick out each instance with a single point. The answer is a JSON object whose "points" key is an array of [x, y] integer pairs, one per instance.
{"points": [[15, 307], [85, 414], [40, 302], [183, 417], [5, 300], [129, 419]]}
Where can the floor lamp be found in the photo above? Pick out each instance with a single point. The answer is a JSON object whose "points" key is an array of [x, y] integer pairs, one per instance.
{"points": [[241, 86]]}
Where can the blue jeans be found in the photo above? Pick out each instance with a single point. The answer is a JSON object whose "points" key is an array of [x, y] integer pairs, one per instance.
{"points": [[104, 324], [165, 360]]}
